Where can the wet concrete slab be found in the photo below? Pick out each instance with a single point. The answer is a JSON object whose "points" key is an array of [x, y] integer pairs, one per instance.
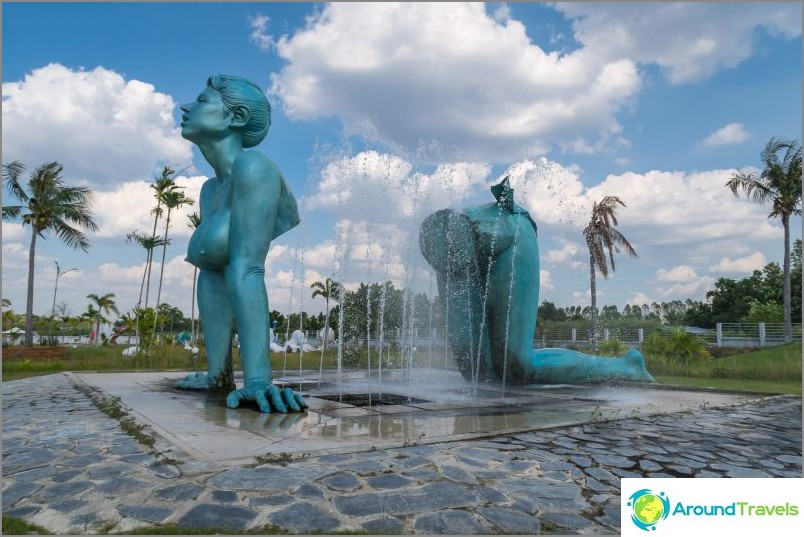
{"points": [[422, 407]]}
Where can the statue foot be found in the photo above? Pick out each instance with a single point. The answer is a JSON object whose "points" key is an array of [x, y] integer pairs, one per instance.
{"points": [[635, 359], [197, 381], [268, 398]]}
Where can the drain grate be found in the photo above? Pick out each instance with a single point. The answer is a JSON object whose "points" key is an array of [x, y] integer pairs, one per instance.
{"points": [[374, 399]]}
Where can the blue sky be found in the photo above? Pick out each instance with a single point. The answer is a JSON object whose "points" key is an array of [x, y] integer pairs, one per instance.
{"points": [[384, 113]]}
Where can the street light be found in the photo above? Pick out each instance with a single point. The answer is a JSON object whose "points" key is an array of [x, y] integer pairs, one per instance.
{"points": [[59, 272]]}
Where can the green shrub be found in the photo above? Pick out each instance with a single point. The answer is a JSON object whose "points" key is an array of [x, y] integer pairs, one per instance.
{"points": [[686, 347], [611, 347], [677, 346]]}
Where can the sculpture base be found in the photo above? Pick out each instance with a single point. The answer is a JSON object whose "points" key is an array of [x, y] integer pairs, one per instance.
{"points": [[198, 426]]}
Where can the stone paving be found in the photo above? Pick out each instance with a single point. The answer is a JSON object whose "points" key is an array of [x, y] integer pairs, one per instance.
{"points": [[69, 467]]}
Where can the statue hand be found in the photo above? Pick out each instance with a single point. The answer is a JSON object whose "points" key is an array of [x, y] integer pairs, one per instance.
{"points": [[197, 381], [268, 398]]}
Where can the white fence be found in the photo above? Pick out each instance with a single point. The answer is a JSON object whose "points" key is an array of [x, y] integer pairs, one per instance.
{"points": [[724, 335]]}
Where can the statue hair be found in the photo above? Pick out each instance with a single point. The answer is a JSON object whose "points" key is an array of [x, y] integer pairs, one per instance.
{"points": [[237, 91]]}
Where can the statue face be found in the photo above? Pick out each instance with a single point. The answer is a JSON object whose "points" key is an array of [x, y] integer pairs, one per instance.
{"points": [[205, 118]]}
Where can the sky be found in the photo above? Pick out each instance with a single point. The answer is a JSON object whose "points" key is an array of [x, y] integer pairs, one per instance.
{"points": [[383, 113]]}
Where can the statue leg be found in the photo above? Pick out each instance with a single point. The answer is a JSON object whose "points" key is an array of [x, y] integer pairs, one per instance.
{"points": [[217, 321], [564, 366], [514, 299], [447, 242]]}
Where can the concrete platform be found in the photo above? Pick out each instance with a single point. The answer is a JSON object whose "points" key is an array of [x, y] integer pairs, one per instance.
{"points": [[427, 406]]}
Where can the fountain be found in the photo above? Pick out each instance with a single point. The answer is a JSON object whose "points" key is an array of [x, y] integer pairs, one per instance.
{"points": [[487, 261]]}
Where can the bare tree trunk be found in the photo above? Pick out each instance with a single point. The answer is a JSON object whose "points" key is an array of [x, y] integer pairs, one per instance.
{"points": [[29, 306], [593, 292], [148, 279], [98, 328], [326, 326], [151, 253], [139, 300], [162, 266], [788, 327]]}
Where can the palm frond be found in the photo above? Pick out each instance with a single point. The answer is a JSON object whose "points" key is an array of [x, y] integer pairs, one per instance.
{"points": [[11, 176], [12, 212], [69, 235], [194, 220]]}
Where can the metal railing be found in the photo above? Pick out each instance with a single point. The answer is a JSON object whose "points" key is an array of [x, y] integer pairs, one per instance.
{"points": [[724, 335]]}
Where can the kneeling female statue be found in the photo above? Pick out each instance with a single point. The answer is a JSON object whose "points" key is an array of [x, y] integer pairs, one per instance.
{"points": [[243, 208]]}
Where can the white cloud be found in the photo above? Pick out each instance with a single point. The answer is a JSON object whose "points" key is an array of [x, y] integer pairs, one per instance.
{"points": [[15, 256], [104, 129], [420, 71], [382, 188], [259, 32], [550, 192], [12, 231], [686, 289], [400, 73], [502, 12], [545, 280], [746, 264], [129, 205], [680, 273], [678, 209], [733, 133], [640, 298], [568, 255], [689, 40]]}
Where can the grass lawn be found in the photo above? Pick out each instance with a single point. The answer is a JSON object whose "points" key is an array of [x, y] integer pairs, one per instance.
{"points": [[175, 358], [743, 385], [17, 526], [768, 370]]}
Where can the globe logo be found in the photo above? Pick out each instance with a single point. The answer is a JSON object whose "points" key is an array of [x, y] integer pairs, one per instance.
{"points": [[648, 508]]}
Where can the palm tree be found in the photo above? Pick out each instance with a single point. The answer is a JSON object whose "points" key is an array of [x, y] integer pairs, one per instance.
{"points": [[172, 199], [194, 222], [149, 244], [328, 289], [48, 205], [780, 184], [601, 236], [162, 184], [105, 304]]}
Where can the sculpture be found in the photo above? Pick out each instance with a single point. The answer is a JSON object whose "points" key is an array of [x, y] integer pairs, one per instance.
{"points": [[243, 208], [487, 263]]}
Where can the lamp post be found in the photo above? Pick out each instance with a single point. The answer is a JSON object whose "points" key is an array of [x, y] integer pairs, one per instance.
{"points": [[59, 273]]}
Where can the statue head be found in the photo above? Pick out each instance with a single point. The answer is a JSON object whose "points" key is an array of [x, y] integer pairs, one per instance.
{"points": [[242, 99]]}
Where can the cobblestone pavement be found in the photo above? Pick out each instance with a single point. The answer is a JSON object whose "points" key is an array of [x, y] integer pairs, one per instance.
{"points": [[69, 467]]}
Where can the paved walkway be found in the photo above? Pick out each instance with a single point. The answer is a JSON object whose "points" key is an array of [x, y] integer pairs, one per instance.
{"points": [[72, 469]]}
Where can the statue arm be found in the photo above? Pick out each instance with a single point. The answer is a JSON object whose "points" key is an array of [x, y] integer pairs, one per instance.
{"points": [[256, 187], [255, 191]]}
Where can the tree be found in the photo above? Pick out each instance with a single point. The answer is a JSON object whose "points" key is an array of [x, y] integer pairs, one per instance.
{"points": [[548, 312], [601, 237], [780, 184], [162, 184], [328, 289], [172, 199], [149, 244], [105, 304], [194, 222], [795, 283], [48, 205]]}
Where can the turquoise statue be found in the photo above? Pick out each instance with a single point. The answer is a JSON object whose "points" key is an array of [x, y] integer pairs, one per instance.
{"points": [[487, 263], [243, 208]]}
